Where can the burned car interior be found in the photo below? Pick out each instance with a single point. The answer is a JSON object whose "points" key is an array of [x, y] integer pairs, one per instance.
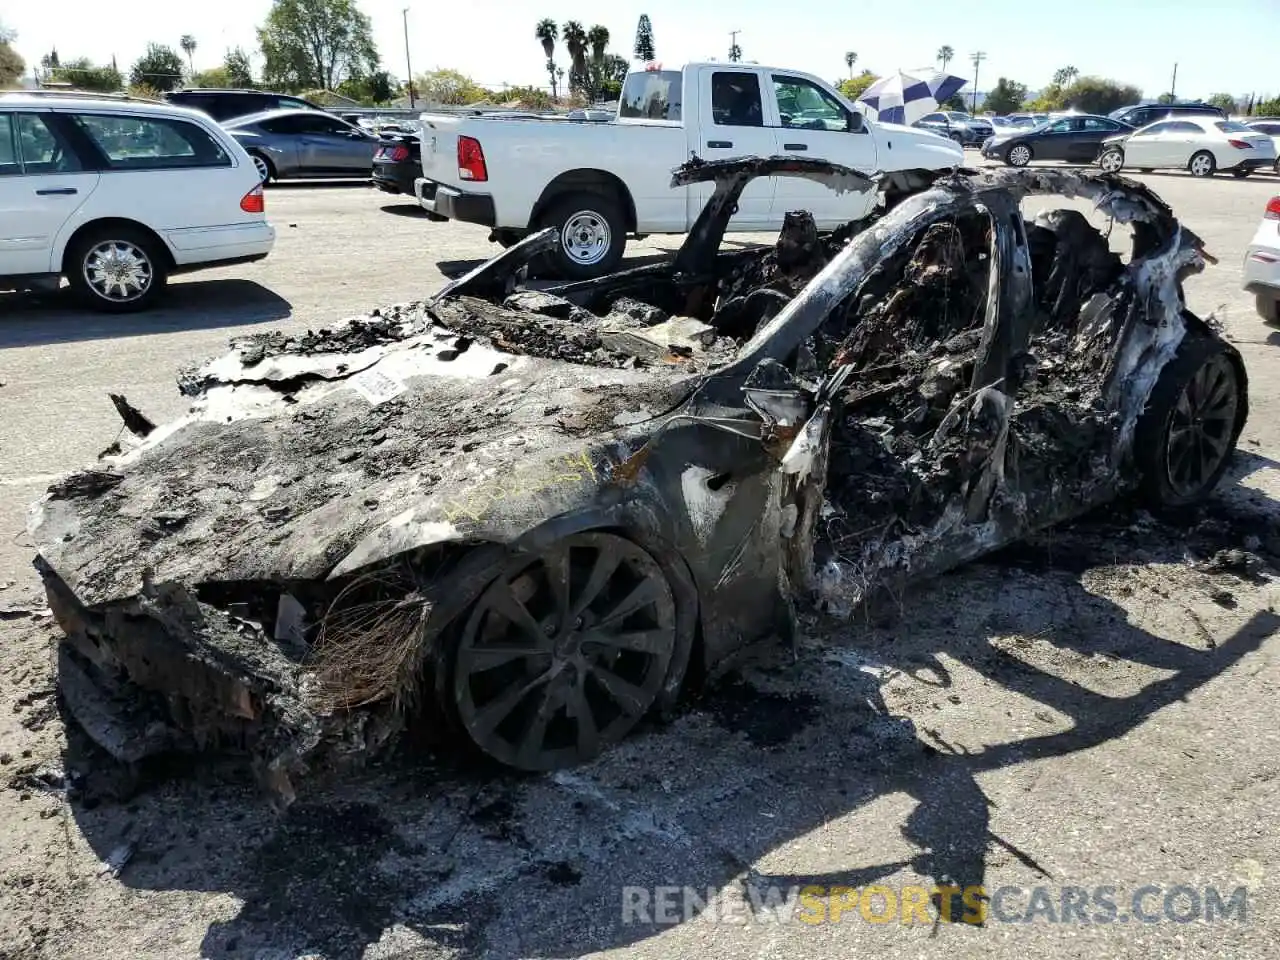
{"points": [[526, 517]]}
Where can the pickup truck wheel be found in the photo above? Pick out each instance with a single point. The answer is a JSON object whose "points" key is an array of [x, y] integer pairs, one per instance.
{"points": [[592, 235]]}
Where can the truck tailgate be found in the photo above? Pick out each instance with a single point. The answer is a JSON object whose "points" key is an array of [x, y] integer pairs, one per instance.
{"points": [[440, 148]]}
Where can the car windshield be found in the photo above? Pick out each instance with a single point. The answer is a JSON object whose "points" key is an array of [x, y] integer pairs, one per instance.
{"points": [[1232, 126]]}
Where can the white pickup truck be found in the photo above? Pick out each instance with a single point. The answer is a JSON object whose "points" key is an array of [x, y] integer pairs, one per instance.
{"points": [[597, 183]]}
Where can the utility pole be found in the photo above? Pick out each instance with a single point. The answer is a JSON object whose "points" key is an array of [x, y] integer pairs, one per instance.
{"points": [[407, 64], [735, 52], [978, 57], [1173, 84]]}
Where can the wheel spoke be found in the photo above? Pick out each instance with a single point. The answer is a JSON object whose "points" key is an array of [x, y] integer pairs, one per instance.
{"points": [[556, 565], [517, 614], [486, 658], [640, 641], [500, 707], [644, 593], [627, 695], [603, 569], [532, 738], [580, 710]]}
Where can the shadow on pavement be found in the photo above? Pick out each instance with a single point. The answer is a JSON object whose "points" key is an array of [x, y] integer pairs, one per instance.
{"points": [[32, 320], [408, 209], [306, 184], [419, 859]]}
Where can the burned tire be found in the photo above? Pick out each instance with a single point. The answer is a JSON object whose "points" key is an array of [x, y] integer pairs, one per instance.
{"points": [[563, 653], [592, 235], [116, 268], [1202, 164], [1193, 418]]}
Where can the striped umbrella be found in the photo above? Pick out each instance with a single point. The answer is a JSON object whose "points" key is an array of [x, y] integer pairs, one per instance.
{"points": [[905, 98]]}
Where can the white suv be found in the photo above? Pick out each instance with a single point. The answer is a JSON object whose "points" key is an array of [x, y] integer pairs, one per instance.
{"points": [[117, 194]]}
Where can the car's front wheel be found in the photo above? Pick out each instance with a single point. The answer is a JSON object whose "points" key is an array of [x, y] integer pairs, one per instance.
{"points": [[563, 653], [1193, 417], [592, 235], [1018, 155], [1202, 164], [117, 269], [1111, 160]]}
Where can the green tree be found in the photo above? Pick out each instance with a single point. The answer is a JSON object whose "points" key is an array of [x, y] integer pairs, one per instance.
{"points": [[944, 56], [644, 48], [12, 65], [450, 87], [83, 75], [1225, 102], [1064, 76], [1099, 95], [598, 39], [1050, 98], [575, 40], [854, 86], [239, 73], [188, 45], [547, 33], [850, 58], [374, 89], [160, 68], [1266, 108], [1006, 97], [213, 77], [316, 43], [1166, 98], [528, 97]]}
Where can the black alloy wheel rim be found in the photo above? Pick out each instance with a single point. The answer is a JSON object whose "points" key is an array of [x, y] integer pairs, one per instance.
{"points": [[1201, 426], [564, 654]]}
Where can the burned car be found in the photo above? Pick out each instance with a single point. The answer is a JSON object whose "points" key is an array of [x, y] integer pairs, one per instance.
{"points": [[528, 517]]}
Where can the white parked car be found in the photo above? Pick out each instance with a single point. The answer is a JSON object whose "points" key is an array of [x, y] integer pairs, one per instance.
{"points": [[1199, 145], [1262, 263], [117, 194], [598, 183], [1270, 128]]}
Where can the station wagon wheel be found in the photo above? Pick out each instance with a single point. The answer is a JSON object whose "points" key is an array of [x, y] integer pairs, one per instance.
{"points": [[116, 268], [1202, 164], [1187, 434], [563, 654], [1111, 161], [1019, 155]]}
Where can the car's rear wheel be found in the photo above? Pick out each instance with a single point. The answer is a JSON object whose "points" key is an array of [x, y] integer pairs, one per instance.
{"points": [[1202, 164], [1268, 305], [266, 169], [1188, 431], [564, 653], [118, 269], [1111, 160], [1018, 155], [592, 235]]}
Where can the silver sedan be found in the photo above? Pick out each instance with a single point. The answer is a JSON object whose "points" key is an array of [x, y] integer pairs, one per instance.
{"points": [[287, 144]]}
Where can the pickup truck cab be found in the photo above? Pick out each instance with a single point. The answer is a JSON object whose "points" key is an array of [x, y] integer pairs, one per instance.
{"points": [[597, 183]]}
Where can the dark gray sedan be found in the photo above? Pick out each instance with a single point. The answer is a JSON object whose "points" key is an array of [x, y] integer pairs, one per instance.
{"points": [[289, 144]]}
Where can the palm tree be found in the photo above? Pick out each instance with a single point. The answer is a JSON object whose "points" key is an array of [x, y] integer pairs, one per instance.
{"points": [[547, 32], [850, 59], [945, 55], [575, 39], [1064, 76], [598, 37], [188, 45]]}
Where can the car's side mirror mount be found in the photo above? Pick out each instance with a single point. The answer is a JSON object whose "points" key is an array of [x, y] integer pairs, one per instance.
{"points": [[856, 124]]}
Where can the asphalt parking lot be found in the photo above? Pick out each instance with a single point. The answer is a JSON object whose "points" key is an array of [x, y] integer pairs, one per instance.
{"points": [[1099, 712]]}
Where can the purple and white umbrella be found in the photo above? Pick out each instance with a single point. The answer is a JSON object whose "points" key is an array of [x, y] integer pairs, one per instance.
{"points": [[904, 98]]}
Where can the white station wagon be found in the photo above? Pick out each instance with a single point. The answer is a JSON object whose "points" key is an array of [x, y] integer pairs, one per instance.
{"points": [[117, 194]]}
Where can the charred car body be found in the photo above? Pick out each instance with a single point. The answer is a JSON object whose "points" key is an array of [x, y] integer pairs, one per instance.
{"points": [[538, 513]]}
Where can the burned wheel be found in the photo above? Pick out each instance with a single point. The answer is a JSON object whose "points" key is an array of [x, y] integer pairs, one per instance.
{"points": [[1189, 430], [563, 654]]}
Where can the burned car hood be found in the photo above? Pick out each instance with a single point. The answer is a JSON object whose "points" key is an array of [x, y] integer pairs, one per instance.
{"points": [[298, 451]]}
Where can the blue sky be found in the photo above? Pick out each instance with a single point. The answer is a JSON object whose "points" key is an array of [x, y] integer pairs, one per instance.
{"points": [[1226, 45]]}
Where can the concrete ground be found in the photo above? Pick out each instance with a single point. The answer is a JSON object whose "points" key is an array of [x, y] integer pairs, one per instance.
{"points": [[1095, 711]]}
